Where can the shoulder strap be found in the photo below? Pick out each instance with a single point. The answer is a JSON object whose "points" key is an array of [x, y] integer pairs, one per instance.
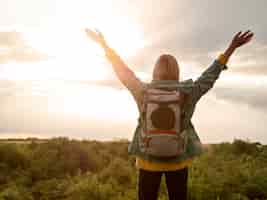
{"points": [[185, 86]]}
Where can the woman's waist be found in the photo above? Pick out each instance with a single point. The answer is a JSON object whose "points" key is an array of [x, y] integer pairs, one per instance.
{"points": [[161, 166]]}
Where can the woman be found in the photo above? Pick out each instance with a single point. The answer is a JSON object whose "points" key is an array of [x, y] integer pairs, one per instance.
{"points": [[166, 73]]}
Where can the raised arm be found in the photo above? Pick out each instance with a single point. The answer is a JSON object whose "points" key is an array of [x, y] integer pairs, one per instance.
{"points": [[123, 72], [207, 79]]}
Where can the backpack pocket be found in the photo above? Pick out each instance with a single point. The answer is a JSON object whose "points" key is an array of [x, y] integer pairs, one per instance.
{"points": [[164, 145]]}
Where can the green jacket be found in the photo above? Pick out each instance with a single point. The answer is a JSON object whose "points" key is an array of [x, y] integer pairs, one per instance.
{"points": [[194, 90]]}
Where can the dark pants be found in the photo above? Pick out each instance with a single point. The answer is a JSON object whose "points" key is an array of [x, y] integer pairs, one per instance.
{"points": [[176, 182]]}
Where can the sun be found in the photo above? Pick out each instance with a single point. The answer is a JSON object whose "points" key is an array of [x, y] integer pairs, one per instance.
{"points": [[70, 52], [74, 56]]}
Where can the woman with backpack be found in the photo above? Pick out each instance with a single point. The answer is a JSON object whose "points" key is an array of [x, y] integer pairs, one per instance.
{"points": [[165, 141]]}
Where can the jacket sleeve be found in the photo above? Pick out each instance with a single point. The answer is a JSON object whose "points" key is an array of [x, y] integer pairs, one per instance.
{"points": [[207, 79]]}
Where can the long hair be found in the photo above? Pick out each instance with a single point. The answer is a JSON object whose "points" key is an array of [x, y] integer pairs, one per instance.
{"points": [[166, 68]]}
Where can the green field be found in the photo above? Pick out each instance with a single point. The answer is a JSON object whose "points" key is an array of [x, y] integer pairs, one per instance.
{"points": [[64, 169]]}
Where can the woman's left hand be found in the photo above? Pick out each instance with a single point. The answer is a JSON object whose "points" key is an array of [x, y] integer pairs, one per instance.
{"points": [[241, 38]]}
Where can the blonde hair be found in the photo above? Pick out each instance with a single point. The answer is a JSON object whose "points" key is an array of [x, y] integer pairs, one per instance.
{"points": [[166, 68]]}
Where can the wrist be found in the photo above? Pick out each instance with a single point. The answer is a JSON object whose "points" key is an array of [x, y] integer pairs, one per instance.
{"points": [[229, 51], [232, 47]]}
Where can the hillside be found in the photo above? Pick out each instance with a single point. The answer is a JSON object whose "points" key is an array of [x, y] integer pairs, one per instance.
{"points": [[64, 169]]}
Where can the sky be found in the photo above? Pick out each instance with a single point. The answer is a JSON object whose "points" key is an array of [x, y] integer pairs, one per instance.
{"points": [[55, 82]]}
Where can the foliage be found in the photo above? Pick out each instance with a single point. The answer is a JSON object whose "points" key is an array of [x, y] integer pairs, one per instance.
{"points": [[64, 169]]}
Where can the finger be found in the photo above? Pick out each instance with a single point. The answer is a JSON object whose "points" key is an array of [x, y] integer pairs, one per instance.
{"points": [[249, 34], [249, 37], [248, 31], [87, 30], [91, 35], [237, 34], [90, 32], [244, 35], [99, 33]]}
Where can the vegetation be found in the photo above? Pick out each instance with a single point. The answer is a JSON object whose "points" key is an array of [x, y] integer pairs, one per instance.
{"points": [[64, 169]]}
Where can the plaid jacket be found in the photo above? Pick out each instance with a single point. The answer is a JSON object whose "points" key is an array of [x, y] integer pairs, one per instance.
{"points": [[194, 90]]}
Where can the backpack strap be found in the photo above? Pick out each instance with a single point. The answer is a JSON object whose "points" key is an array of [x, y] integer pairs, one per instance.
{"points": [[185, 86], [143, 104]]}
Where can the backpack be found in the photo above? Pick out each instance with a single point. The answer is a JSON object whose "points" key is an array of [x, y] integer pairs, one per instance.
{"points": [[161, 123]]}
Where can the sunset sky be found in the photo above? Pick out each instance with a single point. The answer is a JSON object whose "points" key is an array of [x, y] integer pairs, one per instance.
{"points": [[54, 81]]}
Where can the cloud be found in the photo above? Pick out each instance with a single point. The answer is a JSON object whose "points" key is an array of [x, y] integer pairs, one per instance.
{"points": [[68, 109], [250, 60], [194, 31], [251, 70], [253, 97], [14, 48], [218, 120], [10, 39]]}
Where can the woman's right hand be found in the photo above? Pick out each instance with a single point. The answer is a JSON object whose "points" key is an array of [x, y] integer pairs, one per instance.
{"points": [[96, 36]]}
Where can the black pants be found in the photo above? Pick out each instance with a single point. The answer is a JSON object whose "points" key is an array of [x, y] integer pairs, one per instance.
{"points": [[176, 182]]}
